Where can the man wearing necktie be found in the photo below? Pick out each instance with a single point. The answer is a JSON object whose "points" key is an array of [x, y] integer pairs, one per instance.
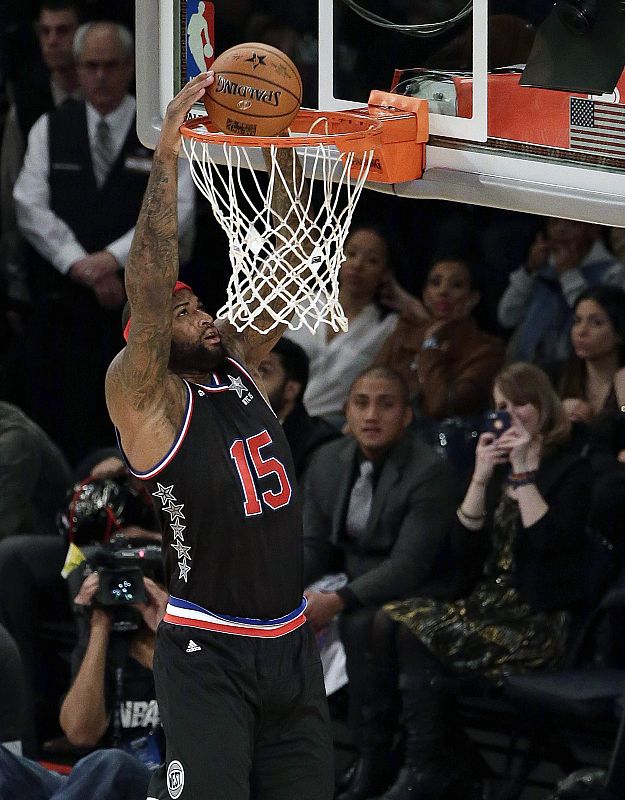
{"points": [[378, 505], [78, 198]]}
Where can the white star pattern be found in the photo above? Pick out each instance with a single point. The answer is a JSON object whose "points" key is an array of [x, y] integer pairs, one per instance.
{"points": [[177, 530], [582, 112], [183, 552], [236, 385], [164, 493], [184, 569], [174, 511]]}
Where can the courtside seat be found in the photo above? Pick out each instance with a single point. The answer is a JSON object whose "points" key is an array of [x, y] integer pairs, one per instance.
{"points": [[540, 716], [558, 709], [586, 693]]}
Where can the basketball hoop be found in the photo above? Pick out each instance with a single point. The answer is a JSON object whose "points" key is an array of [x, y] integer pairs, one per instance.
{"points": [[273, 274]]}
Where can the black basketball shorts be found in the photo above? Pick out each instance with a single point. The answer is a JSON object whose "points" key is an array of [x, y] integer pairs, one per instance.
{"points": [[245, 718]]}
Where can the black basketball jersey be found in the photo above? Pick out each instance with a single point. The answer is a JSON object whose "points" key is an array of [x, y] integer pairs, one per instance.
{"points": [[226, 496]]}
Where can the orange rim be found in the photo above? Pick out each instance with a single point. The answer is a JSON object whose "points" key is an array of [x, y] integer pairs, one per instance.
{"points": [[342, 128]]}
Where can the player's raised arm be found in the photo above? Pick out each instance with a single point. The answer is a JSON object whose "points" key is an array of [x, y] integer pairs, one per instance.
{"points": [[137, 382]]}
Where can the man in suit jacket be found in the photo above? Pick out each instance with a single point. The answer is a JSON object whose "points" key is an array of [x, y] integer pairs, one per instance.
{"points": [[389, 537]]}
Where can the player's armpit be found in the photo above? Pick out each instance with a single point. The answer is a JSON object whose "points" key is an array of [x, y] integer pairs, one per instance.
{"points": [[147, 414]]}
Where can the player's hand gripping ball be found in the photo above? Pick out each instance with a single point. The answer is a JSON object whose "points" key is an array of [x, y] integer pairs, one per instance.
{"points": [[257, 91]]}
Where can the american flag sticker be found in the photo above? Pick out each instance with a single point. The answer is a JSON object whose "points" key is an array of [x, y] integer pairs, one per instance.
{"points": [[597, 128]]}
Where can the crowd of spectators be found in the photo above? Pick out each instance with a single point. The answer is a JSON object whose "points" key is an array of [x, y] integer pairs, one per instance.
{"points": [[452, 311]]}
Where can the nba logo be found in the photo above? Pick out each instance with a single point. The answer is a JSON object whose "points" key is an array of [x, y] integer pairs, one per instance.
{"points": [[200, 36], [175, 779]]}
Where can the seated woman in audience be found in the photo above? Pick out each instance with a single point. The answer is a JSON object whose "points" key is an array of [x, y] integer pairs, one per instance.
{"points": [[447, 361], [336, 358], [592, 381], [522, 526], [566, 258], [591, 384]]}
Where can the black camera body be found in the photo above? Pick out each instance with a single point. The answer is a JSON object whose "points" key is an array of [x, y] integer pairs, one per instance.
{"points": [[120, 586], [96, 508], [121, 565]]}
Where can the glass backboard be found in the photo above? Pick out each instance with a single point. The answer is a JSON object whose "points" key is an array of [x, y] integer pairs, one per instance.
{"points": [[494, 141]]}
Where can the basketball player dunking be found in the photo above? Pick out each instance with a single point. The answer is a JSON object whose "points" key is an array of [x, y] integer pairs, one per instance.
{"points": [[237, 672]]}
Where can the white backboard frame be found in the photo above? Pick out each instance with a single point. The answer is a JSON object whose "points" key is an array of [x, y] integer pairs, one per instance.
{"points": [[156, 72], [474, 129], [519, 184]]}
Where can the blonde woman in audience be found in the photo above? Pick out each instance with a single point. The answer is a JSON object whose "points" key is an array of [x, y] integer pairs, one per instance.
{"points": [[521, 530]]}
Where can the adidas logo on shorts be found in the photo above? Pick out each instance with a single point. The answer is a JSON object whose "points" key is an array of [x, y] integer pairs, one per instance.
{"points": [[192, 647]]}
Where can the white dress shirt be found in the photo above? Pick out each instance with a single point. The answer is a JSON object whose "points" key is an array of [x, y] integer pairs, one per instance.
{"points": [[60, 95], [336, 362], [49, 234]]}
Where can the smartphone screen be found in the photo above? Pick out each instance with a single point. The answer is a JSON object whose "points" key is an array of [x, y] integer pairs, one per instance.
{"points": [[497, 422]]}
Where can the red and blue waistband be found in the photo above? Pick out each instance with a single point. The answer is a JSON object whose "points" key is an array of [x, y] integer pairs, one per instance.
{"points": [[183, 612]]}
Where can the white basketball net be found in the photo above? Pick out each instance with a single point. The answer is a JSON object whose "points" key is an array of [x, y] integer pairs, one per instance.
{"points": [[273, 275]]}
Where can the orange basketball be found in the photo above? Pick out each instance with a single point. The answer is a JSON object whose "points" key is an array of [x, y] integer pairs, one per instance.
{"points": [[257, 91]]}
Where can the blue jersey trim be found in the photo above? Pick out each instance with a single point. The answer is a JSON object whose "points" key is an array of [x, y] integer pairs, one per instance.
{"points": [[186, 604]]}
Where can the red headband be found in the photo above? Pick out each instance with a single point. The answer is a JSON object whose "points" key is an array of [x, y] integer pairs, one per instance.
{"points": [[177, 288]]}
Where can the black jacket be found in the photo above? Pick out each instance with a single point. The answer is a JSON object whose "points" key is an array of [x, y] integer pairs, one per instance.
{"points": [[549, 556], [403, 550], [305, 434]]}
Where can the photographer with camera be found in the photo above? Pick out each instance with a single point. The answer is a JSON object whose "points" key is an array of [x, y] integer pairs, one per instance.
{"points": [[111, 700], [35, 606], [112, 568], [112, 571], [112, 696]]}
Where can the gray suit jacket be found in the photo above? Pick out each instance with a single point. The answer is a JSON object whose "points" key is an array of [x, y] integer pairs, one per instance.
{"points": [[402, 551]]}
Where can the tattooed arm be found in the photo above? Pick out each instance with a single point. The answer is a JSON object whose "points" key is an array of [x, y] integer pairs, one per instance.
{"points": [[145, 401]]}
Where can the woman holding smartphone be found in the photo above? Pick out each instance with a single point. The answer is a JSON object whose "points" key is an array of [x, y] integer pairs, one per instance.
{"points": [[520, 531]]}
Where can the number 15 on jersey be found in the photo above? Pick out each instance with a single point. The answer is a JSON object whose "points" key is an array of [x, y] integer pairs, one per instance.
{"points": [[247, 456]]}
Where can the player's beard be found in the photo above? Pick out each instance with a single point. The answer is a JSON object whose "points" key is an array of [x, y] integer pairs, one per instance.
{"points": [[194, 359]]}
